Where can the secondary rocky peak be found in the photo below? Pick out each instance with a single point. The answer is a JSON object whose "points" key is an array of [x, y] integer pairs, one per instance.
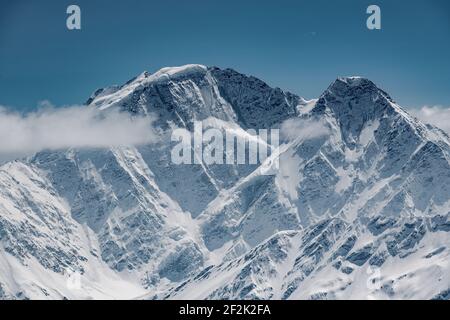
{"points": [[352, 87], [354, 102]]}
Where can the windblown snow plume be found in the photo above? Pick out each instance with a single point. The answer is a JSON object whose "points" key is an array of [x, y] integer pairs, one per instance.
{"points": [[304, 129], [436, 115], [71, 127]]}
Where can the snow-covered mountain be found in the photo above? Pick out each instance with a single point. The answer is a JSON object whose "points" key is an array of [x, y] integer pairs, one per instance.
{"points": [[358, 211]]}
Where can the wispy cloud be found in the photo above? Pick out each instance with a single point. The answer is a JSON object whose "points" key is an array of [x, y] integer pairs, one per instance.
{"points": [[52, 128], [305, 129], [436, 115]]}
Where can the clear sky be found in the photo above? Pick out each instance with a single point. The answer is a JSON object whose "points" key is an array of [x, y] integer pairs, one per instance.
{"points": [[300, 46]]}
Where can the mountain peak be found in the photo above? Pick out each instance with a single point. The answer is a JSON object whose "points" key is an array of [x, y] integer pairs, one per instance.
{"points": [[353, 80], [351, 86], [169, 73], [181, 71], [195, 92], [355, 102], [106, 97], [350, 94]]}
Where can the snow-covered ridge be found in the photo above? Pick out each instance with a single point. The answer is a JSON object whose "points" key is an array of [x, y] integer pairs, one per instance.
{"points": [[104, 98], [196, 92]]}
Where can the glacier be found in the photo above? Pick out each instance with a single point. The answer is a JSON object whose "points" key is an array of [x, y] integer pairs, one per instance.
{"points": [[359, 211]]}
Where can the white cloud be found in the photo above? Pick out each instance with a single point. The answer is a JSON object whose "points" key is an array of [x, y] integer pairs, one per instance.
{"points": [[437, 115], [52, 128], [305, 129]]}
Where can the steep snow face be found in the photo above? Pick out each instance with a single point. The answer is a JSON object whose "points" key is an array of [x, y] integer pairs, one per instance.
{"points": [[360, 211], [248, 213], [86, 211], [34, 222], [334, 260], [42, 247], [113, 192]]}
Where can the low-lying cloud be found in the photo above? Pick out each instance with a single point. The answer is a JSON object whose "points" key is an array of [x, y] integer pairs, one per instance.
{"points": [[436, 115], [303, 129], [52, 128]]}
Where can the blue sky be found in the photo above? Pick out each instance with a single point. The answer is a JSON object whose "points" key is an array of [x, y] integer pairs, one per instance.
{"points": [[300, 46]]}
